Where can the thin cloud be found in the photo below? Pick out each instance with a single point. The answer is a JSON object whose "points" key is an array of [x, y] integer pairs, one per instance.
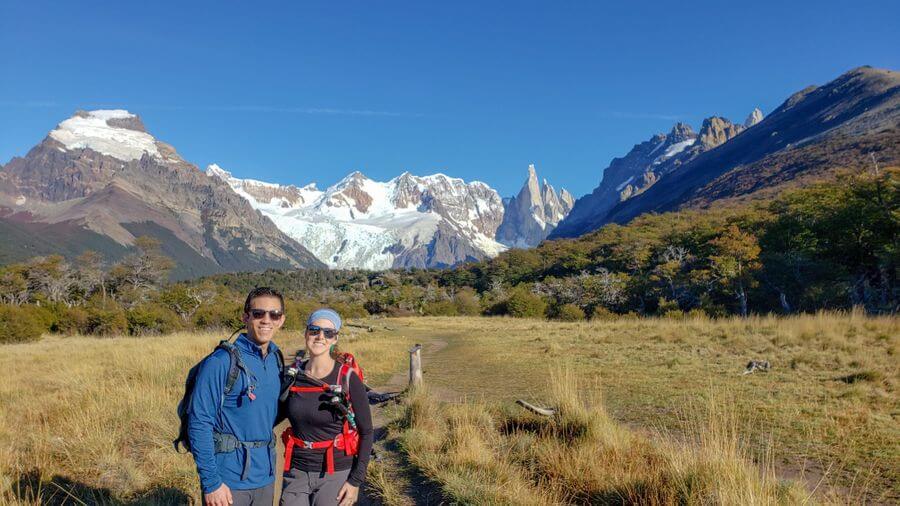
{"points": [[645, 115], [261, 109], [31, 104]]}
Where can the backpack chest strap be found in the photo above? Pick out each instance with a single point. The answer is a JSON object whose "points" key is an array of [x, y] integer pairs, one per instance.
{"points": [[320, 389]]}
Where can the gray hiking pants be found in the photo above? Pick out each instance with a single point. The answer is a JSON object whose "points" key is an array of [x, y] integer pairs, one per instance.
{"points": [[261, 496], [301, 488]]}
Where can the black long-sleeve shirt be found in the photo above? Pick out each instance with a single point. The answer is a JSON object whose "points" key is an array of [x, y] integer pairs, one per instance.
{"points": [[313, 418]]}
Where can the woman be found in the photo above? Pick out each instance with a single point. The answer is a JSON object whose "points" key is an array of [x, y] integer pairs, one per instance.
{"points": [[326, 451]]}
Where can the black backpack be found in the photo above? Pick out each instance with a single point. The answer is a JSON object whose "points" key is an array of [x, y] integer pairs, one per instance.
{"points": [[237, 367]]}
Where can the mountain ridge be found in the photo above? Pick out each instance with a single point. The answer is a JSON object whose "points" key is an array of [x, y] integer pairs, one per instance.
{"points": [[813, 133], [407, 221]]}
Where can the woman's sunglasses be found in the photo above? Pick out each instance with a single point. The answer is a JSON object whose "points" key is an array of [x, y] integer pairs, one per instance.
{"points": [[274, 314], [315, 329]]}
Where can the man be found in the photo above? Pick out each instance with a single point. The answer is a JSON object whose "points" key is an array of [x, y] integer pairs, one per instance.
{"points": [[231, 433]]}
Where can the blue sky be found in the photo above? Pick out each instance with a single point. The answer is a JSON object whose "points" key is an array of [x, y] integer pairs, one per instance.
{"points": [[294, 92]]}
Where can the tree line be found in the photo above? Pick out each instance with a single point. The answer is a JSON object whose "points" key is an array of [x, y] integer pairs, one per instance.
{"points": [[833, 245]]}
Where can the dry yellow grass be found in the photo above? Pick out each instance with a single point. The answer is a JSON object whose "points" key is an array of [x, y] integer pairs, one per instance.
{"points": [[91, 420], [826, 414], [482, 455]]}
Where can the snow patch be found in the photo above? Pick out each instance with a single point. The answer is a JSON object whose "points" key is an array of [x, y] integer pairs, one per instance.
{"points": [[623, 185], [94, 132], [656, 148], [673, 150]]}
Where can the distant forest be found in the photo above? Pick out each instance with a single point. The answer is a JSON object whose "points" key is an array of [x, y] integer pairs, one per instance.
{"points": [[833, 245]]}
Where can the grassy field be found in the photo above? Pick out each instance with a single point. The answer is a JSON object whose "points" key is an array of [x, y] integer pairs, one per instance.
{"points": [[825, 415], [90, 420], [661, 403]]}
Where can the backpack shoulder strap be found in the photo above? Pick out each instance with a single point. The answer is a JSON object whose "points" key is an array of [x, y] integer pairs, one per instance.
{"points": [[343, 379], [237, 364], [280, 357]]}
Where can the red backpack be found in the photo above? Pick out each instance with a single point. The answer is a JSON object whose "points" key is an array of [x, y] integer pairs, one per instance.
{"points": [[348, 439]]}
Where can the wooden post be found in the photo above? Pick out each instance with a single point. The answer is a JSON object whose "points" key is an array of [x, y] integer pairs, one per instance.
{"points": [[415, 366]]}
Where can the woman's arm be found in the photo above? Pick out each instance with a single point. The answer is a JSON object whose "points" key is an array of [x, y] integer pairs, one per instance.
{"points": [[360, 402]]}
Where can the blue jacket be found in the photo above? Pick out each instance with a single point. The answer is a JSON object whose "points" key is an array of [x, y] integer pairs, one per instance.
{"points": [[248, 420]]}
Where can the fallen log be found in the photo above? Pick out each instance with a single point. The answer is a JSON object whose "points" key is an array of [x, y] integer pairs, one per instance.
{"points": [[536, 410], [757, 365]]}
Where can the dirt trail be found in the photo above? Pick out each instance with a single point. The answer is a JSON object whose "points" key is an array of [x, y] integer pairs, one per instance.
{"points": [[415, 488]]}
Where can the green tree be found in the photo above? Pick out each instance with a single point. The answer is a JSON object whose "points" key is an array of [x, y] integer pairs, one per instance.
{"points": [[14, 285], [734, 262]]}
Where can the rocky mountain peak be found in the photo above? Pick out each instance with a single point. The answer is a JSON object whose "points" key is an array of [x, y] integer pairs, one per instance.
{"points": [[680, 132], [533, 213], [567, 199], [100, 175], [112, 132], [755, 117], [716, 131], [355, 178]]}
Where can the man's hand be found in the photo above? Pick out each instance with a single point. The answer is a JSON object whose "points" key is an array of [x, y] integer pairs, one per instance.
{"points": [[348, 495], [219, 497]]}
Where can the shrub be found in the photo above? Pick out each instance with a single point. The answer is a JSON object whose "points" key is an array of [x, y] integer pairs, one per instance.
{"points": [[522, 303], [665, 307], [698, 313], [440, 308], [105, 319], [569, 313], [467, 302], [347, 309], [601, 313], [220, 314], [148, 319], [72, 321], [297, 311], [44, 315], [674, 314], [19, 324]]}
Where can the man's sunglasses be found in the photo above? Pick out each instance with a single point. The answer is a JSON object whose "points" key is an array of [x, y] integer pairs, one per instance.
{"points": [[315, 329], [258, 314]]}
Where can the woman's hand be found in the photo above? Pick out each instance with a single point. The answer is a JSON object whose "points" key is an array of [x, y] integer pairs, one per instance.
{"points": [[348, 495]]}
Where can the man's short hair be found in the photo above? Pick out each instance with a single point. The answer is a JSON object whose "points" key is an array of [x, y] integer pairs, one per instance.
{"points": [[262, 291]]}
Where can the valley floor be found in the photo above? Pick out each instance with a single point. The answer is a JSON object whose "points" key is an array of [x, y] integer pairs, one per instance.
{"points": [[825, 415]]}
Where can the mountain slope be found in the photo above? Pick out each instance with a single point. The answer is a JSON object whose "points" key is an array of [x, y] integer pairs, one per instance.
{"points": [[101, 171], [645, 165], [409, 221], [814, 133]]}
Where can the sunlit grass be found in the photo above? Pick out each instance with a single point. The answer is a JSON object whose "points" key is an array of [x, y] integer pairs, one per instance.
{"points": [[94, 418]]}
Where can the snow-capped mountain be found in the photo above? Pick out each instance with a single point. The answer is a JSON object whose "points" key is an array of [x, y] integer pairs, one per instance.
{"points": [[409, 221], [99, 180], [531, 215]]}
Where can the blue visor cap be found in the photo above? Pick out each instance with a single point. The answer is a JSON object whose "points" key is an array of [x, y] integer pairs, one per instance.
{"points": [[325, 314]]}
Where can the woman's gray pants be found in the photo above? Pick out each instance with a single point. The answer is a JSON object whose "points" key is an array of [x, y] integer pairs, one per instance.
{"points": [[301, 488]]}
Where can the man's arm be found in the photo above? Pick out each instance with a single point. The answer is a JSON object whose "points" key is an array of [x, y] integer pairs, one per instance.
{"points": [[205, 404]]}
